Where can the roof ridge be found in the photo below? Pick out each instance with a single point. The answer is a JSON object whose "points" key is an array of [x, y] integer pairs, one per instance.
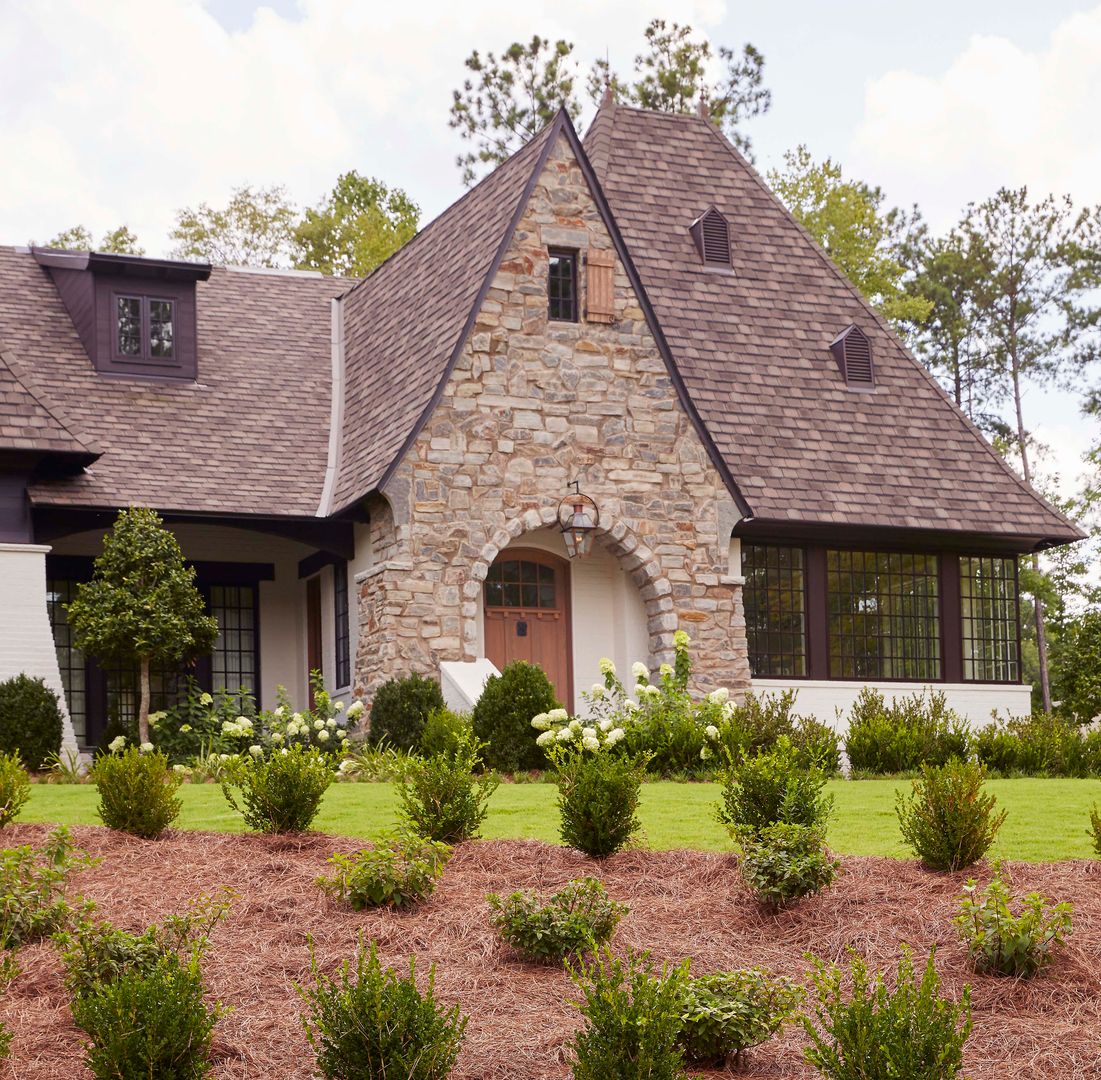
{"points": [[968, 424]]}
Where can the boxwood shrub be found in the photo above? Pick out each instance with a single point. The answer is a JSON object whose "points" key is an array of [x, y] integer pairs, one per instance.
{"points": [[502, 717], [30, 720], [400, 710]]}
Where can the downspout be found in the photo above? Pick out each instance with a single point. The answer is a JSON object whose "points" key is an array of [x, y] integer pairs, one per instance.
{"points": [[336, 414]]}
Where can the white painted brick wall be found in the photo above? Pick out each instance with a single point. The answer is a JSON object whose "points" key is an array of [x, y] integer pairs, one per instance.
{"points": [[26, 641], [973, 701]]}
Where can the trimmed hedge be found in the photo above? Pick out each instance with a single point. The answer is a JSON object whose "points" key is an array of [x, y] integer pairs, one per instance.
{"points": [[30, 720]]}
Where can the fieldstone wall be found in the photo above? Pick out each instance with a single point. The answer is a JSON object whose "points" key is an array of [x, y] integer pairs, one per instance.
{"points": [[532, 405]]}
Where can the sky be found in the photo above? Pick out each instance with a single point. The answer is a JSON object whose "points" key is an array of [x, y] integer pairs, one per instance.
{"points": [[123, 112]]}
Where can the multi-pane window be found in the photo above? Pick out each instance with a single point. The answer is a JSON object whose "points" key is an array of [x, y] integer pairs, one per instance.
{"points": [[520, 583], [233, 662], [145, 328], [990, 619], [884, 618], [562, 286], [774, 609], [69, 659], [343, 635]]}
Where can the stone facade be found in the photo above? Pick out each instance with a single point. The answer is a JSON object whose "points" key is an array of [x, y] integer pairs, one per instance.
{"points": [[531, 405]]}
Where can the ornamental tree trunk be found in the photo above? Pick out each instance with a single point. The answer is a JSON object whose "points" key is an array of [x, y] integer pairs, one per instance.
{"points": [[143, 705]]}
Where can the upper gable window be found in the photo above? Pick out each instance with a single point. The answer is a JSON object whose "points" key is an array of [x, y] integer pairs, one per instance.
{"points": [[145, 328], [712, 235], [562, 286]]}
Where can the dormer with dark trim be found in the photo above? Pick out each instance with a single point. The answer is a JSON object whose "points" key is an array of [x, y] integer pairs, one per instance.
{"points": [[135, 317], [711, 233], [853, 352]]}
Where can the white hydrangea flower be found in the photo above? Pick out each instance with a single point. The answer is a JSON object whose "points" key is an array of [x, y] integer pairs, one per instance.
{"points": [[575, 726], [284, 751], [631, 705], [323, 735], [330, 724], [588, 733], [318, 724], [540, 722], [338, 706], [597, 690], [558, 715], [591, 743], [224, 757], [606, 666], [206, 699], [347, 766], [244, 721], [546, 738], [279, 711], [229, 727], [117, 744], [146, 748], [155, 718], [681, 639], [649, 691], [256, 751], [344, 744], [614, 736], [276, 737], [355, 710], [720, 696], [296, 717], [183, 770], [564, 735], [711, 732], [639, 670], [705, 754], [605, 724]]}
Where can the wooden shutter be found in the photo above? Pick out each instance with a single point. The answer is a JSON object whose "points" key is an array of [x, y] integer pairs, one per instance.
{"points": [[600, 301]]}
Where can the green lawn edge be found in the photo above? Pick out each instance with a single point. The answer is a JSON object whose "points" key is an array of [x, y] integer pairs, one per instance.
{"points": [[1048, 819]]}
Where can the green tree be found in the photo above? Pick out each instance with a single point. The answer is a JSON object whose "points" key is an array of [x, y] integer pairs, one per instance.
{"points": [[358, 226], [1036, 308], [255, 228], [1076, 668], [850, 222], [141, 606], [508, 98], [672, 75], [120, 241]]}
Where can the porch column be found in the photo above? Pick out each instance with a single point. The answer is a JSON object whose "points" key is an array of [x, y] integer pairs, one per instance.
{"points": [[26, 641]]}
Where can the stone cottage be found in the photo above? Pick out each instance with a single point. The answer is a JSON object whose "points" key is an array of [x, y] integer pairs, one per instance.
{"points": [[373, 477]]}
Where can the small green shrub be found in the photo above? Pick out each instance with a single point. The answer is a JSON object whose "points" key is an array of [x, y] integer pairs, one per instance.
{"points": [[598, 796], [441, 798], [149, 1022], [400, 870], [281, 793], [771, 788], [30, 720], [578, 918], [1038, 745], [903, 736], [872, 1033], [32, 888], [137, 792], [632, 1019], [15, 787], [731, 1011], [1095, 829], [444, 732], [372, 1023], [401, 709], [1001, 943], [502, 717], [947, 819], [783, 863]]}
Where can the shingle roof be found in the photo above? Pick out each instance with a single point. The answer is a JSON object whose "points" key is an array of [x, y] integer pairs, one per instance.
{"points": [[250, 436], [753, 350], [27, 423], [404, 323]]}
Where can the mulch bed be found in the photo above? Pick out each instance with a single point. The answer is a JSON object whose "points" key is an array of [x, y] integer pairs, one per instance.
{"points": [[682, 904]]}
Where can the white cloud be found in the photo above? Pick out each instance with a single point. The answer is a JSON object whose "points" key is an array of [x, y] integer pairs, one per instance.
{"points": [[124, 112], [999, 115]]}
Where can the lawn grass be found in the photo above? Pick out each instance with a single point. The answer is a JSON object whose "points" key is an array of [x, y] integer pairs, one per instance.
{"points": [[1048, 819]]}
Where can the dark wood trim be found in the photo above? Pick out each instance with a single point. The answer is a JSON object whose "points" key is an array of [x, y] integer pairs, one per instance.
{"points": [[817, 614], [79, 568], [315, 633], [951, 618], [316, 562], [15, 508]]}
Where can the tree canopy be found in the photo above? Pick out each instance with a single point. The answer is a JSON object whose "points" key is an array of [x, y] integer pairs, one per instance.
{"points": [[508, 97], [120, 241], [255, 228]]}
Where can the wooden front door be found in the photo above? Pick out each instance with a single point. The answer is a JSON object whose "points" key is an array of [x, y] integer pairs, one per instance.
{"points": [[527, 615]]}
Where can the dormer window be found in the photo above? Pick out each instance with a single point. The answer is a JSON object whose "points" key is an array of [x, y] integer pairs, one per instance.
{"points": [[711, 233], [136, 317], [853, 352], [144, 328]]}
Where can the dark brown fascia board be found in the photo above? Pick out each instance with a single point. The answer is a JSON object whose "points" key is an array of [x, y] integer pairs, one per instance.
{"points": [[780, 531], [52, 520], [135, 266], [46, 463]]}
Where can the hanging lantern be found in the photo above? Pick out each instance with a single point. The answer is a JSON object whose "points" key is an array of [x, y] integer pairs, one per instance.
{"points": [[578, 518]]}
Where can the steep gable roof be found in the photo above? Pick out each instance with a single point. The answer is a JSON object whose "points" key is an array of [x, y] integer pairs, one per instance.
{"points": [[752, 346], [404, 324]]}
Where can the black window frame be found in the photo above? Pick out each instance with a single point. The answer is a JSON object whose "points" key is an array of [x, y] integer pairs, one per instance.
{"points": [[342, 626], [568, 256], [786, 585], [145, 355], [1010, 624]]}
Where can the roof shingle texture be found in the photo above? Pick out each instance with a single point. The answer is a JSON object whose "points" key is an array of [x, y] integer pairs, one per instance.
{"points": [[753, 350], [26, 422], [249, 437], [403, 323]]}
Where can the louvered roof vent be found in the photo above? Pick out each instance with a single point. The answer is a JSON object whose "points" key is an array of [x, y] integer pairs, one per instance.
{"points": [[712, 235], [853, 352]]}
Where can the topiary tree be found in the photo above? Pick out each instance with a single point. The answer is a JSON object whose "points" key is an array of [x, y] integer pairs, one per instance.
{"points": [[502, 717], [141, 606], [400, 709], [30, 720]]}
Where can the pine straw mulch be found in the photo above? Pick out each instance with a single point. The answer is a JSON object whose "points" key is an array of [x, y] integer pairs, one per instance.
{"points": [[683, 903]]}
